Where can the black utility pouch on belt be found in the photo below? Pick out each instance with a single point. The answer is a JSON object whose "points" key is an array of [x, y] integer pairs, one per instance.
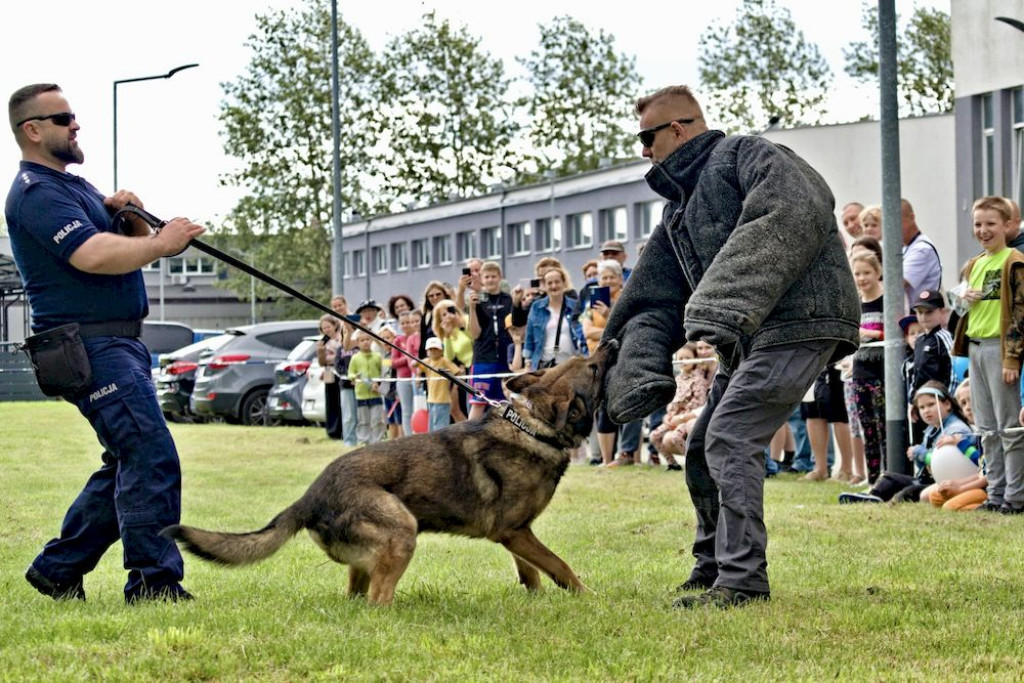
{"points": [[59, 360]]}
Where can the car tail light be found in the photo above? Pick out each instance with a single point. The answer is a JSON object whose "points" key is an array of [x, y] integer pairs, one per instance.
{"points": [[221, 362], [180, 367], [297, 368]]}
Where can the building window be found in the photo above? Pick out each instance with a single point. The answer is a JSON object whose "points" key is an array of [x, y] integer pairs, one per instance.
{"points": [[443, 250], [1018, 145], [379, 259], [400, 256], [649, 216], [490, 243], [519, 238], [549, 234], [611, 224], [359, 263], [465, 246], [347, 265], [420, 253], [194, 265], [580, 232], [988, 145]]}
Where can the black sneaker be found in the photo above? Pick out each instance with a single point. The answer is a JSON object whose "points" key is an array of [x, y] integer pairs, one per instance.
{"points": [[1007, 509], [172, 593], [990, 506], [847, 498], [695, 583], [674, 467], [71, 590], [720, 597], [595, 461]]}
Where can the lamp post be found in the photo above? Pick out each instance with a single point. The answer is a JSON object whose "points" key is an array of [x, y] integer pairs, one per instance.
{"points": [[170, 73]]}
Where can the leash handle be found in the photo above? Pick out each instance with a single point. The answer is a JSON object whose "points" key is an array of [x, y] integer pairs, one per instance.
{"points": [[157, 224]]}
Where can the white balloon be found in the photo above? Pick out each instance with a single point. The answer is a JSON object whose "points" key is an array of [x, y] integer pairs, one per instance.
{"points": [[949, 462]]}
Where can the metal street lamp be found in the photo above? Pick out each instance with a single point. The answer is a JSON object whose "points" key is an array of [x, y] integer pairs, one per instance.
{"points": [[163, 268], [135, 80]]}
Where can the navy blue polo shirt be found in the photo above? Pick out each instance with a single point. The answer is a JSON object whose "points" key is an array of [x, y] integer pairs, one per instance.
{"points": [[49, 215]]}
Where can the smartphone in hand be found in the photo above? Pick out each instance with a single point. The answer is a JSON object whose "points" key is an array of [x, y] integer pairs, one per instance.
{"points": [[602, 294]]}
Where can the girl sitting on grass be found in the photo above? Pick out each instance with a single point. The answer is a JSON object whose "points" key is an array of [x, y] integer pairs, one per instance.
{"points": [[965, 494], [943, 415], [692, 388]]}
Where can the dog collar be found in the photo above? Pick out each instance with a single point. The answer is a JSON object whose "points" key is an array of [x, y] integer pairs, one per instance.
{"points": [[513, 417]]}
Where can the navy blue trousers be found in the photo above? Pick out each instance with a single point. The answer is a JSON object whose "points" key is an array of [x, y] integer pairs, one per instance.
{"points": [[137, 491]]}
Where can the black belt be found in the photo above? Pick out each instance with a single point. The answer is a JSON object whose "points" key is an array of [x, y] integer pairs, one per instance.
{"points": [[111, 328]]}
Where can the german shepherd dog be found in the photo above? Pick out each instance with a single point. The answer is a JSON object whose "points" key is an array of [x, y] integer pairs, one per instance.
{"points": [[483, 479]]}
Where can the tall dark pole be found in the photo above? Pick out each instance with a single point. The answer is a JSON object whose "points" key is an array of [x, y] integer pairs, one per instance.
{"points": [[337, 252], [114, 189], [892, 234]]}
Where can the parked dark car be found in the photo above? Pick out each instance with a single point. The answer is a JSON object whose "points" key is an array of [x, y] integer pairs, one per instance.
{"points": [[176, 377], [165, 337], [234, 381], [285, 399]]}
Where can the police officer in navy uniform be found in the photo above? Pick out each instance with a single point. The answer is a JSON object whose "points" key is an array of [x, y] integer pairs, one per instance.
{"points": [[78, 269]]}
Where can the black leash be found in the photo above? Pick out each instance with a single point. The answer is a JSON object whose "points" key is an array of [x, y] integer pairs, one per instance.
{"points": [[504, 408], [157, 224]]}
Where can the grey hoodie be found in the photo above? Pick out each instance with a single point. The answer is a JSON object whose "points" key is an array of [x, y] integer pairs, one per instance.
{"points": [[747, 256]]}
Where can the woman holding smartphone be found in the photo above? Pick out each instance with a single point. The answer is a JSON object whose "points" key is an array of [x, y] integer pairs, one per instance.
{"points": [[609, 287], [602, 298]]}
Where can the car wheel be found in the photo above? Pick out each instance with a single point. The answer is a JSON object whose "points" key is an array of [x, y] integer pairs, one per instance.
{"points": [[254, 410]]}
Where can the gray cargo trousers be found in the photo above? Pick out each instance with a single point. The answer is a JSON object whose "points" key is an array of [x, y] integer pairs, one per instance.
{"points": [[725, 459]]}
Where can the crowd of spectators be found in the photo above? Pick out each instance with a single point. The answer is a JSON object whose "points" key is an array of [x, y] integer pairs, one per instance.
{"points": [[483, 330]]}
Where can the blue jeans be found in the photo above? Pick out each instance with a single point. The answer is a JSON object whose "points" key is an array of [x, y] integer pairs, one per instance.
{"points": [[630, 435], [349, 417], [137, 491], [440, 416], [804, 460], [405, 398]]}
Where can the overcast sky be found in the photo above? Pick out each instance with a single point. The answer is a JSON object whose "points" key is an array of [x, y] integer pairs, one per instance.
{"points": [[169, 149]]}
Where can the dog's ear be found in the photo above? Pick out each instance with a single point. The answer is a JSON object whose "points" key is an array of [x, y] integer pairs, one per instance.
{"points": [[520, 383]]}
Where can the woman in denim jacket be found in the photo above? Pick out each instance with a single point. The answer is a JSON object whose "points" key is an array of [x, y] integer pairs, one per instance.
{"points": [[541, 331]]}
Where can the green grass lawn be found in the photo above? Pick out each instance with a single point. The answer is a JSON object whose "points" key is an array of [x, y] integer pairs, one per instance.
{"points": [[858, 592]]}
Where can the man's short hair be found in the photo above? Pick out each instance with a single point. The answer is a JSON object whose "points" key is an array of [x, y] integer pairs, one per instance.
{"points": [[1014, 208], [906, 208], [490, 267], [681, 91], [20, 106]]}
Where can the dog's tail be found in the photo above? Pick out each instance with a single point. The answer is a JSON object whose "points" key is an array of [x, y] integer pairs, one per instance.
{"points": [[238, 549]]}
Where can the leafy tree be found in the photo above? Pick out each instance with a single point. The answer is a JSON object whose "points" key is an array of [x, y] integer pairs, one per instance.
{"points": [[277, 123], [760, 66], [924, 62], [445, 120], [583, 92]]}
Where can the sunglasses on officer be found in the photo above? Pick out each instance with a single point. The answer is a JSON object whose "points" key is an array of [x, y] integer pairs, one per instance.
{"points": [[647, 134], [63, 119]]}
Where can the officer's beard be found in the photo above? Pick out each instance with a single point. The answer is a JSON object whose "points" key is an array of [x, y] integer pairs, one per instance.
{"points": [[68, 152]]}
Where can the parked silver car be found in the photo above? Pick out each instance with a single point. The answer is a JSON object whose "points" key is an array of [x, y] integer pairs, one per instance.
{"points": [[234, 382], [176, 377], [285, 399]]}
